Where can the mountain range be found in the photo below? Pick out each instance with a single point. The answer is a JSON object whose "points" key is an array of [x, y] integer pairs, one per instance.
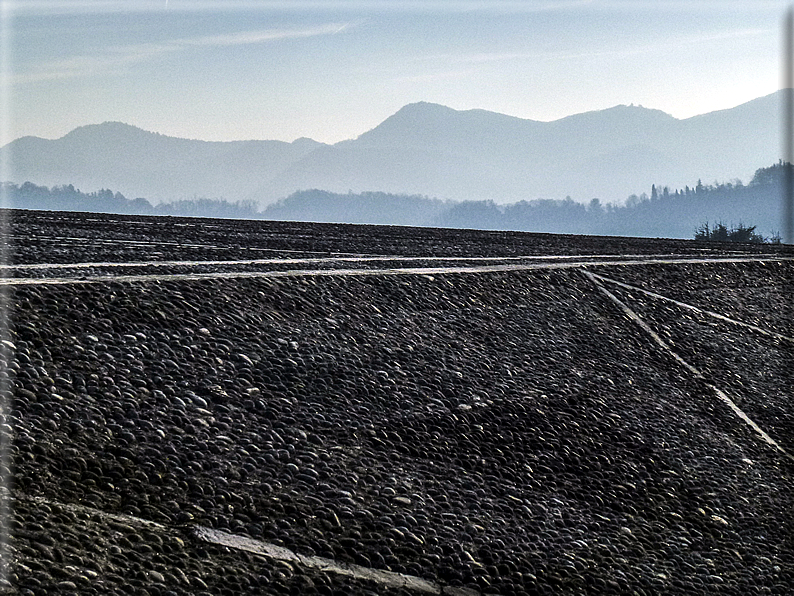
{"points": [[423, 149]]}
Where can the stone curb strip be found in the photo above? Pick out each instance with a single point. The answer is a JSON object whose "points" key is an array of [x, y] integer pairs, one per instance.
{"points": [[720, 394], [387, 579]]}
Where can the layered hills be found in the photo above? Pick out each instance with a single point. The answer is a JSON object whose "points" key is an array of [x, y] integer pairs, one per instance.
{"points": [[425, 149]]}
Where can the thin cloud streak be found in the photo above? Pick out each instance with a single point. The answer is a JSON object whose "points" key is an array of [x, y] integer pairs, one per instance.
{"points": [[113, 59], [256, 37]]}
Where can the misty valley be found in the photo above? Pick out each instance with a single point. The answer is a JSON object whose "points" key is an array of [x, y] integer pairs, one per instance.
{"points": [[680, 213]]}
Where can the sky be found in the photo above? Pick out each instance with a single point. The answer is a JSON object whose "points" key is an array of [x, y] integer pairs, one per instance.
{"points": [[331, 70]]}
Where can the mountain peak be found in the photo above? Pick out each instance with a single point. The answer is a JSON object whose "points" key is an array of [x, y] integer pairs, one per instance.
{"points": [[305, 142], [425, 123], [424, 106], [620, 112], [424, 148], [420, 111], [108, 133], [109, 125]]}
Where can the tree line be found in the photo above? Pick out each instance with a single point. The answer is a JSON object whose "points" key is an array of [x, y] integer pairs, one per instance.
{"points": [[68, 198], [678, 213]]}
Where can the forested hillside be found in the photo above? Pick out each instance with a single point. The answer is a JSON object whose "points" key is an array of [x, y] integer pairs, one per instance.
{"points": [[664, 212], [68, 198]]}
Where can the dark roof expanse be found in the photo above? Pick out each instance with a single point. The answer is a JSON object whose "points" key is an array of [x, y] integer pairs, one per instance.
{"points": [[369, 410]]}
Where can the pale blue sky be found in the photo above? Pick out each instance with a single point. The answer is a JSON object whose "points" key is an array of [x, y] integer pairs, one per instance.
{"points": [[332, 70]]}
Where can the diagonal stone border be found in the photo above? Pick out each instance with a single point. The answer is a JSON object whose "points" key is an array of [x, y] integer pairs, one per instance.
{"points": [[659, 341], [694, 308], [387, 579]]}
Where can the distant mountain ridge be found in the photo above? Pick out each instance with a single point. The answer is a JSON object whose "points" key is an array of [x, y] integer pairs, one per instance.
{"points": [[424, 149], [151, 165]]}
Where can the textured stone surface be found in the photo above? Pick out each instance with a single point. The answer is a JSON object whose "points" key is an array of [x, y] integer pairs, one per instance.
{"points": [[508, 432]]}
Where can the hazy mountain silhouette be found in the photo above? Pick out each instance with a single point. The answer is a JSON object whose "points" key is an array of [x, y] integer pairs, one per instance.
{"points": [[423, 149], [478, 155], [151, 165]]}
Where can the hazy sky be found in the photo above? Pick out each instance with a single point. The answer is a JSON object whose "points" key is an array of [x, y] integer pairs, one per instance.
{"points": [[331, 70]]}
